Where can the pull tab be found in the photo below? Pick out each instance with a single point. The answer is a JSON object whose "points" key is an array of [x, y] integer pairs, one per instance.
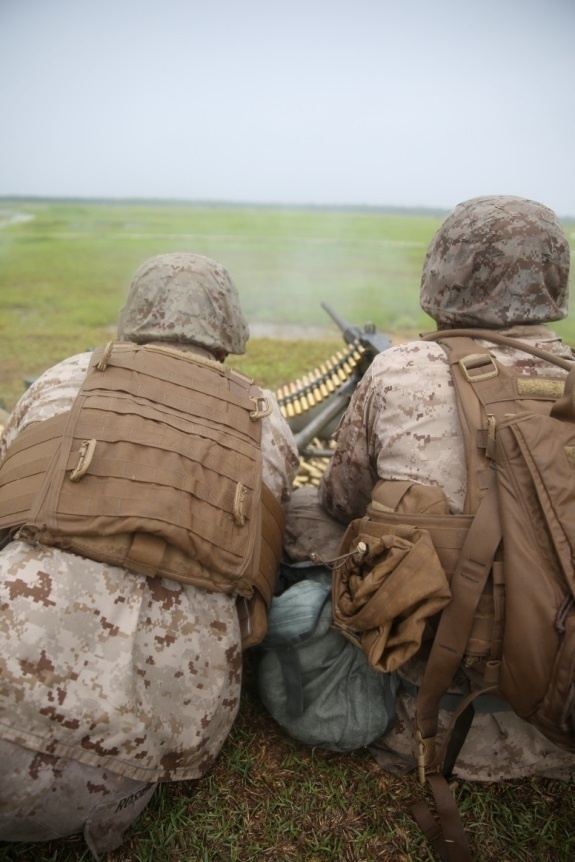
{"points": [[105, 357], [491, 435], [239, 500], [425, 755], [87, 449], [262, 411]]}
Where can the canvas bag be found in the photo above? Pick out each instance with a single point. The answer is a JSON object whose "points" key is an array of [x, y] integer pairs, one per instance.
{"points": [[316, 684], [389, 580], [389, 601]]}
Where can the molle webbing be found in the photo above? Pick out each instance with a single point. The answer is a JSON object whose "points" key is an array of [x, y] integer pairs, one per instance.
{"points": [[486, 388], [253, 612], [24, 467], [157, 468]]}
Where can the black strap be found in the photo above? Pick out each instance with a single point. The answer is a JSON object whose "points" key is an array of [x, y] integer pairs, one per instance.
{"points": [[448, 838], [456, 739]]}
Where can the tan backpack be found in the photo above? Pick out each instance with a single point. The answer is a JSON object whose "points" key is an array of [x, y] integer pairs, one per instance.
{"points": [[509, 561], [520, 451]]}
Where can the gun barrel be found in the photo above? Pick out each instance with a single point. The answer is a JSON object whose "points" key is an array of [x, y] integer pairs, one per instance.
{"points": [[350, 332], [343, 324]]}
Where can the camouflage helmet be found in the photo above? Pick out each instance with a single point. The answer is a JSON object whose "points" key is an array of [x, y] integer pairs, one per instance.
{"points": [[497, 261], [184, 298]]}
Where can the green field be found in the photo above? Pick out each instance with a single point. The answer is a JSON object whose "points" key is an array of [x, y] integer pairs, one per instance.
{"points": [[64, 273], [63, 276]]}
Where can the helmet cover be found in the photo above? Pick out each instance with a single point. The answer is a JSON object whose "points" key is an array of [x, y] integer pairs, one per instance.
{"points": [[187, 299], [497, 261]]}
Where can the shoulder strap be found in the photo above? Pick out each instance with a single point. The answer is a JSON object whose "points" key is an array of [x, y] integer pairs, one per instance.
{"points": [[497, 338], [452, 634], [470, 364], [486, 390]]}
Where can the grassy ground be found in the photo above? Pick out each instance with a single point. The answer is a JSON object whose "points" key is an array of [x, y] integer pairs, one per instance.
{"points": [[270, 798], [63, 277]]}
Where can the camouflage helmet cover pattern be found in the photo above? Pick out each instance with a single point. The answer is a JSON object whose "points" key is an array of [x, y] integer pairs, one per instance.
{"points": [[187, 299], [497, 261]]}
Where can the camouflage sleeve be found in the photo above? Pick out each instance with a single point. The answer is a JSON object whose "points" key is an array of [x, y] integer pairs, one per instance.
{"points": [[345, 487], [279, 451], [402, 423], [50, 394]]}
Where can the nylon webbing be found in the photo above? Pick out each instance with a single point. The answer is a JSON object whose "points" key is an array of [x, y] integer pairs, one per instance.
{"points": [[456, 619], [145, 554], [224, 413], [155, 367], [154, 474], [451, 842], [92, 423], [272, 521]]}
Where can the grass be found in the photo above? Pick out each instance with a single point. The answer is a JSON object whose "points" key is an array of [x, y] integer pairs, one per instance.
{"points": [[63, 276], [65, 270], [271, 798]]}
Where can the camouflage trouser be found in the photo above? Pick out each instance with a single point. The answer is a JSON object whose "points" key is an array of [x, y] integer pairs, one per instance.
{"points": [[44, 798]]}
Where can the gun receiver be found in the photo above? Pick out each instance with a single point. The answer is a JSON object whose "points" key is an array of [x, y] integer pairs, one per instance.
{"points": [[314, 404], [371, 340]]}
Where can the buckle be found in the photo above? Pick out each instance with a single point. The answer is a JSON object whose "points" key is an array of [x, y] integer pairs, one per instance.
{"points": [[425, 755], [478, 360]]}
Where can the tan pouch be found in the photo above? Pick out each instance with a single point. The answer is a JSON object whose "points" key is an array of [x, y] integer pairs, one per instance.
{"points": [[383, 601]]}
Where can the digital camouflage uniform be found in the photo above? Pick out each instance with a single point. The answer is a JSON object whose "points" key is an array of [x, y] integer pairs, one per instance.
{"points": [[497, 262], [112, 681]]}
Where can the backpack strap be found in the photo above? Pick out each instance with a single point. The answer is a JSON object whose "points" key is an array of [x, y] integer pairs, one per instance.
{"points": [[470, 364], [497, 338], [448, 836], [564, 407], [452, 634], [484, 389]]}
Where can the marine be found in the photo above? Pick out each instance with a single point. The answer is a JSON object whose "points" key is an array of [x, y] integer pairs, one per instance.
{"points": [[500, 263], [112, 681]]}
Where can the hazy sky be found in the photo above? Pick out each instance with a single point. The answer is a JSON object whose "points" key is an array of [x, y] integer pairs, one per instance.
{"points": [[402, 102]]}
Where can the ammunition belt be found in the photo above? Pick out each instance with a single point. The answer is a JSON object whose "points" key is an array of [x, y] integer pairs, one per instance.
{"points": [[295, 399], [311, 468], [310, 390]]}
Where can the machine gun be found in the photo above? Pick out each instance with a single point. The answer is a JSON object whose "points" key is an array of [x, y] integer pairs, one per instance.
{"points": [[314, 404], [368, 340]]}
